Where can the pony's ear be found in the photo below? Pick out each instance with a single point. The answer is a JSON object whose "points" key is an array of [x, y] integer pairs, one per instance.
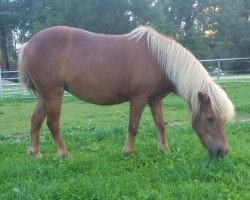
{"points": [[203, 97], [225, 89]]}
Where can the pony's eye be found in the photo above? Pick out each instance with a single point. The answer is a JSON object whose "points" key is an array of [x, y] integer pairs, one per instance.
{"points": [[210, 119]]}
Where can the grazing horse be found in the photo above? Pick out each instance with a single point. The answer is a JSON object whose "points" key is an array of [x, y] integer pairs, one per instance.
{"points": [[142, 67]]}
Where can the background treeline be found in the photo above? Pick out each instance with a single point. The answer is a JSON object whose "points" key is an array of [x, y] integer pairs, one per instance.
{"points": [[209, 28]]}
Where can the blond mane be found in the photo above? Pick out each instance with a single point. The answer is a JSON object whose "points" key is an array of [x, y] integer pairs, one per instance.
{"points": [[186, 72]]}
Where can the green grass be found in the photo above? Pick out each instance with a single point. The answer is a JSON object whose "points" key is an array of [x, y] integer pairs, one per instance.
{"points": [[95, 136]]}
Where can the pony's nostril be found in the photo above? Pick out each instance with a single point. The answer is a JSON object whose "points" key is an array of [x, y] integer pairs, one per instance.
{"points": [[217, 153]]}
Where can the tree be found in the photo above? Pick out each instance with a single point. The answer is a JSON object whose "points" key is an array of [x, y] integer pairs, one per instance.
{"points": [[151, 12], [106, 16], [6, 20], [11, 17], [209, 28]]}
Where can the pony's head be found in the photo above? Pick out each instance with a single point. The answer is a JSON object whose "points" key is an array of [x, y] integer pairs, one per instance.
{"points": [[209, 126]]}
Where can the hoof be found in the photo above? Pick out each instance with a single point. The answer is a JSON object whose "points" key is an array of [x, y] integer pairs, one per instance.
{"points": [[163, 148], [64, 154], [127, 152], [35, 154]]}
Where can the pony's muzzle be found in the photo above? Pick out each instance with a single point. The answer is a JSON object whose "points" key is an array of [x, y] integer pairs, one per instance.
{"points": [[218, 152]]}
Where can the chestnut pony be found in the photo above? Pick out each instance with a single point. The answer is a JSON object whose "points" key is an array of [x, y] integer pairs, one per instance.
{"points": [[142, 67]]}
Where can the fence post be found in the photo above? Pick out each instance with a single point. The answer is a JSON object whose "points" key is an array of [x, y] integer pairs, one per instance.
{"points": [[218, 77], [1, 85]]}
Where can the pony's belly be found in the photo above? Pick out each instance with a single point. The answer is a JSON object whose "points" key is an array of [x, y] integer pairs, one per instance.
{"points": [[97, 97]]}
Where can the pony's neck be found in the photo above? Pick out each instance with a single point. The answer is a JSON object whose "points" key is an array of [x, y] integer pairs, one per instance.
{"points": [[186, 73]]}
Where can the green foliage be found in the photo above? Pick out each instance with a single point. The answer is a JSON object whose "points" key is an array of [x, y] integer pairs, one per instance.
{"points": [[196, 43], [210, 29], [95, 136], [229, 25], [106, 16], [12, 17]]}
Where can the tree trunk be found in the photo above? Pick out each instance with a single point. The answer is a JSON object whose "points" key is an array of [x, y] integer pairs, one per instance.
{"points": [[4, 52]]}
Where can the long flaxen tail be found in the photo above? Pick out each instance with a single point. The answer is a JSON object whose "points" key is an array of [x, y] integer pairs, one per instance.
{"points": [[23, 76]]}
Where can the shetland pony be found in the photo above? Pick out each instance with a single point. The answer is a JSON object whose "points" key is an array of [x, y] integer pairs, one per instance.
{"points": [[142, 67]]}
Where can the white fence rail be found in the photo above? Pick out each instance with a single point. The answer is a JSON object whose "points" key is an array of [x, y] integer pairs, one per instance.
{"points": [[218, 68], [10, 86], [215, 68]]}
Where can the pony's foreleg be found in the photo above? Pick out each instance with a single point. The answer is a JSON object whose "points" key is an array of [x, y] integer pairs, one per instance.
{"points": [[156, 108], [36, 123], [136, 107], [53, 109]]}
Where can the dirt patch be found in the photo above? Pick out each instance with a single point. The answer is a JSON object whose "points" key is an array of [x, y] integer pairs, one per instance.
{"points": [[177, 123], [238, 119], [242, 119], [15, 137]]}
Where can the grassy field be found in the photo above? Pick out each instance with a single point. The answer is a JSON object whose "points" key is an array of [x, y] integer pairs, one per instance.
{"points": [[95, 136]]}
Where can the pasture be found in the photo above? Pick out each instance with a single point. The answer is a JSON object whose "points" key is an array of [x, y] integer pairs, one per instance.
{"points": [[95, 136]]}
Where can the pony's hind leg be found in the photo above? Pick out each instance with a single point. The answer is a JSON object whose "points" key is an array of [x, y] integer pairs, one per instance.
{"points": [[53, 110], [156, 108], [36, 123]]}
